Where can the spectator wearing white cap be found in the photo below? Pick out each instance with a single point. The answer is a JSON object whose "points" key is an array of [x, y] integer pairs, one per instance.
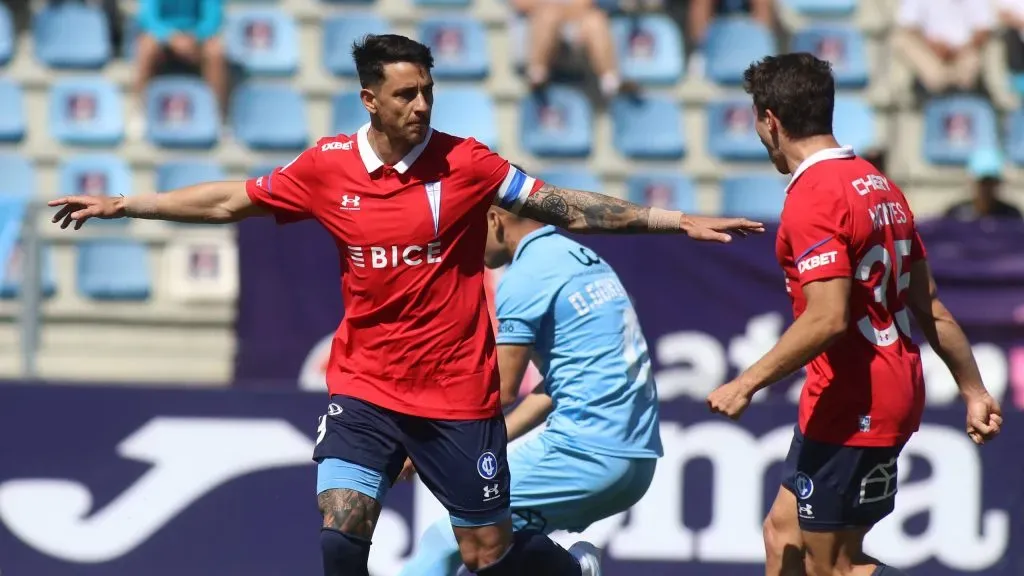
{"points": [[986, 168]]}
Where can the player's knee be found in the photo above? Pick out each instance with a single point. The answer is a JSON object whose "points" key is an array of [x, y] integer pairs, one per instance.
{"points": [[484, 550], [343, 554]]}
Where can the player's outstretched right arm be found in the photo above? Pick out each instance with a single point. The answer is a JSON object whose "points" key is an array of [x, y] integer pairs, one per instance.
{"points": [[945, 336], [210, 203]]}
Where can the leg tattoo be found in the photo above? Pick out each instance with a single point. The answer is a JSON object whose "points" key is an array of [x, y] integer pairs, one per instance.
{"points": [[349, 512]]}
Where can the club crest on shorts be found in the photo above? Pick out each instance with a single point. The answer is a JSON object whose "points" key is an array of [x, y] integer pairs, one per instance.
{"points": [[487, 466], [804, 486]]}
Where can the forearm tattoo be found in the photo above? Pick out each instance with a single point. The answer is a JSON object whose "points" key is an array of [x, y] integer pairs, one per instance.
{"points": [[349, 512], [582, 211]]}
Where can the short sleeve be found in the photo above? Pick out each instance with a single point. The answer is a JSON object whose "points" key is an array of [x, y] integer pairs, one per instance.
{"points": [[503, 184], [521, 307], [910, 14], [816, 226], [287, 190]]}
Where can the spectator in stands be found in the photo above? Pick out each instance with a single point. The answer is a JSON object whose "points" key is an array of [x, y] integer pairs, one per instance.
{"points": [[187, 31], [702, 12], [942, 41], [986, 168], [1011, 15], [579, 22]]}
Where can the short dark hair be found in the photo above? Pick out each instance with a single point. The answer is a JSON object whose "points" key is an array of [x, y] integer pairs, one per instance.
{"points": [[375, 51], [798, 88]]}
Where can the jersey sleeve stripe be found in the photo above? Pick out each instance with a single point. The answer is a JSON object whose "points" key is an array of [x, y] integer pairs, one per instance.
{"points": [[815, 246], [514, 190]]}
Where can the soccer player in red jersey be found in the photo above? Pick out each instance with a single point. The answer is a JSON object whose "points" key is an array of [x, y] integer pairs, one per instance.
{"points": [[413, 369], [854, 267]]}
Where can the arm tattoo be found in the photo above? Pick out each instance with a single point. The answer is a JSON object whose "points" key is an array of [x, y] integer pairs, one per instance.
{"points": [[349, 512], [581, 211]]}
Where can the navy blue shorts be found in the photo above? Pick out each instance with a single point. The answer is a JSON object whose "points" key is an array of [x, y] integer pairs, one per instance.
{"points": [[840, 487], [362, 447]]}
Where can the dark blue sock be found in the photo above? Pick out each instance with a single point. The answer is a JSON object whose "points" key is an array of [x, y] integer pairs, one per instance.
{"points": [[883, 570], [344, 555], [535, 554]]}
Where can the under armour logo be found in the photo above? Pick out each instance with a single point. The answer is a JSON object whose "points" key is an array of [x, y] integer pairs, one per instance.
{"points": [[350, 202], [805, 511], [491, 492]]}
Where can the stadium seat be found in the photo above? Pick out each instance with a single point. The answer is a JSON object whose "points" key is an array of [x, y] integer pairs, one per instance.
{"points": [[12, 103], [669, 190], [113, 269], [129, 37], [12, 216], [558, 123], [853, 123], [181, 173], [732, 44], [648, 128], [19, 178], [181, 112], [263, 41], [459, 46], [347, 113], [8, 38], [650, 49], [841, 45], [731, 134], [269, 117], [14, 272], [753, 196], [72, 35], [1015, 137], [340, 31], [86, 112], [822, 7], [95, 175], [954, 126], [464, 112], [577, 178]]}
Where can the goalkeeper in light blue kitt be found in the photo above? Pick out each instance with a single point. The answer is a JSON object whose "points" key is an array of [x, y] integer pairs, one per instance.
{"points": [[561, 305]]}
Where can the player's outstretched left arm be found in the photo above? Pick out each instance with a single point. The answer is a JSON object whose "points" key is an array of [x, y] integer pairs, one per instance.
{"points": [[591, 212]]}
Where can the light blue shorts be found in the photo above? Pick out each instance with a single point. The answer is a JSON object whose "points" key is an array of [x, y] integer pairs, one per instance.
{"points": [[555, 487]]}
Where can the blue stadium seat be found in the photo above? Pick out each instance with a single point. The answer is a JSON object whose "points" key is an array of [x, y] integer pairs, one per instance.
{"points": [[648, 128], [650, 49], [822, 7], [669, 190], [347, 113], [459, 46], [954, 126], [12, 216], [733, 43], [12, 119], [577, 178], [263, 41], [754, 196], [853, 123], [465, 112], [96, 175], [1015, 137], [113, 270], [86, 112], [181, 112], [8, 38], [556, 124], [14, 268], [841, 45], [731, 134], [72, 35], [19, 177], [181, 173], [269, 117], [340, 31]]}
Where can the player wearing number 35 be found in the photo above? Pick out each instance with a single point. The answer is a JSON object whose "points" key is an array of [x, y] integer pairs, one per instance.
{"points": [[856, 271]]}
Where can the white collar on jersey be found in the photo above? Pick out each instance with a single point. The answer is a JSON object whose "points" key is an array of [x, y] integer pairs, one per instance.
{"points": [[373, 162], [820, 156]]}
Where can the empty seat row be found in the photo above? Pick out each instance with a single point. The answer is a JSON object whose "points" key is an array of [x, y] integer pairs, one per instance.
{"points": [[116, 269]]}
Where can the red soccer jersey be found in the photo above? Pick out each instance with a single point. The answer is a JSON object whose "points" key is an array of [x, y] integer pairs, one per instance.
{"points": [[416, 337], [842, 218]]}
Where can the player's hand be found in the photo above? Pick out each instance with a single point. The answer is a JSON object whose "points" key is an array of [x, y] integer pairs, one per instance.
{"points": [[78, 209], [408, 471], [730, 400], [714, 229], [984, 418]]}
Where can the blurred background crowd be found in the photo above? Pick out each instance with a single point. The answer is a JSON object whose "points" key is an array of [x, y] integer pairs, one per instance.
{"points": [[637, 98]]}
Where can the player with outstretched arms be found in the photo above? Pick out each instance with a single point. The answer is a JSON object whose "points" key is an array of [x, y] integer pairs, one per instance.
{"points": [[856, 271], [562, 305], [413, 370]]}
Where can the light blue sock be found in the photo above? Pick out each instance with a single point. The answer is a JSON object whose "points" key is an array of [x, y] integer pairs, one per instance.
{"points": [[437, 552]]}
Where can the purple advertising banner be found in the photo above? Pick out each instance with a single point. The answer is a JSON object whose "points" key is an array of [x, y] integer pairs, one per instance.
{"points": [[124, 482]]}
